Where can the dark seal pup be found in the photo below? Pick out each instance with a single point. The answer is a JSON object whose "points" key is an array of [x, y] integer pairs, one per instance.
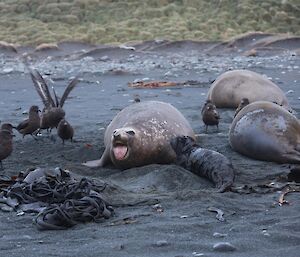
{"points": [[140, 134], [203, 162], [266, 131]]}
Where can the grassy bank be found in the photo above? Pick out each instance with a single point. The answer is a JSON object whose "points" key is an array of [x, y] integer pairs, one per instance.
{"points": [[112, 21]]}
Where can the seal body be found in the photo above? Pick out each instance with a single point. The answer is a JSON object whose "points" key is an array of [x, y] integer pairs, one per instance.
{"points": [[228, 89], [140, 134], [204, 162], [266, 131]]}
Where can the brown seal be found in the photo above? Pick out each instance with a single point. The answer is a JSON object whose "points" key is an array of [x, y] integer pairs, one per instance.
{"points": [[228, 89], [266, 131], [140, 134]]}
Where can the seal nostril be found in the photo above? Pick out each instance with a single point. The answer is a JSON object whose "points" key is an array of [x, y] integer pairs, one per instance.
{"points": [[130, 132], [116, 135]]}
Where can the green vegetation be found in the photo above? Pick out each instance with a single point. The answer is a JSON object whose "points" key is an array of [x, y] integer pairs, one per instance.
{"points": [[116, 21]]}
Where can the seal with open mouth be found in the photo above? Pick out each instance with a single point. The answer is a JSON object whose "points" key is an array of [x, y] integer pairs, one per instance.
{"points": [[140, 134]]}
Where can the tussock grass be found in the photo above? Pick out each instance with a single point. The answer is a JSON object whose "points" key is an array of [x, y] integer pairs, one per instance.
{"points": [[118, 21]]}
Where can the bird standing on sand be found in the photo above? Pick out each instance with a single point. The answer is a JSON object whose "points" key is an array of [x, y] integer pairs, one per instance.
{"points": [[65, 131], [53, 111], [205, 104], [243, 103], [210, 115], [32, 124], [6, 145]]}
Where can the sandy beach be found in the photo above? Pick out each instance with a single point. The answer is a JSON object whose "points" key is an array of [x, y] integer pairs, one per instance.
{"points": [[160, 210]]}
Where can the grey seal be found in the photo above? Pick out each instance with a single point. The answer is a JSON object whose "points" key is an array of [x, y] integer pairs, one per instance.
{"points": [[266, 131]]}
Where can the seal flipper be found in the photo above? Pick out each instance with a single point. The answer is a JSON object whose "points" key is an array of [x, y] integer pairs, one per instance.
{"points": [[105, 159], [92, 164], [293, 156]]}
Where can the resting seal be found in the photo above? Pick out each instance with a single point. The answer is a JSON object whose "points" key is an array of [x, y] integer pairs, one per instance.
{"points": [[266, 131], [140, 134], [204, 162], [228, 89]]}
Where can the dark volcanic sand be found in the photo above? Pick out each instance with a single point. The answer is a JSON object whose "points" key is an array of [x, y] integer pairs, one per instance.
{"points": [[254, 223]]}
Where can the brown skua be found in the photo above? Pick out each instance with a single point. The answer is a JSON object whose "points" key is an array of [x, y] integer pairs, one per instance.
{"points": [[32, 124], [65, 131], [6, 144], [243, 103], [53, 108], [210, 115]]}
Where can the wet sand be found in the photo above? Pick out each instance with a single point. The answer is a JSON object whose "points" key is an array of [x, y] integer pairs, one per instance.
{"points": [[181, 225]]}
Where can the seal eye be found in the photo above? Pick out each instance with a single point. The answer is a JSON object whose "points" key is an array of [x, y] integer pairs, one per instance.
{"points": [[130, 132]]}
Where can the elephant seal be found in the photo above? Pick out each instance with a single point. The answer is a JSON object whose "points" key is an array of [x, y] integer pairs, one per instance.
{"points": [[203, 162], [140, 134], [228, 89], [266, 131]]}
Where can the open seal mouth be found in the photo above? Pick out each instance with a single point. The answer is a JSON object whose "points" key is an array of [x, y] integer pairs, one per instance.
{"points": [[120, 150]]}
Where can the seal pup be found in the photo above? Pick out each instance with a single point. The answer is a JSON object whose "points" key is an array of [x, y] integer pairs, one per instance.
{"points": [[229, 88], [243, 103], [140, 134], [266, 131], [203, 162], [210, 115], [65, 131], [53, 111], [6, 143], [32, 124]]}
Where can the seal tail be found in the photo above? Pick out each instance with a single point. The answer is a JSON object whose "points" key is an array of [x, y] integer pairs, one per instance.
{"points": [[69, 88]]}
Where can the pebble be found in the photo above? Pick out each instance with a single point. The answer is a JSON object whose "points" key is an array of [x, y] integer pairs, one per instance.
{"points": [[265, 233], [219, 235], [184, 216], [224, 247], [7, 70], [161, 243], [104, 58], [289, 92], [198, 254], [20, 213], [6, 208]]}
